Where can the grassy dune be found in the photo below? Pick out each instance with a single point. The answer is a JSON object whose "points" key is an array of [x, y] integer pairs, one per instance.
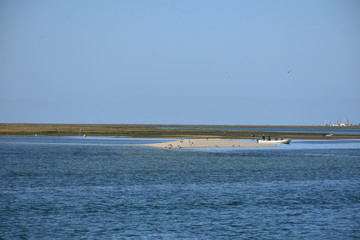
{"points": [[152, 131]]}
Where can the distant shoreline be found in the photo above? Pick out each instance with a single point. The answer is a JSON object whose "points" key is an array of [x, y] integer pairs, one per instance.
{"points": [[183, 125], [165, 131]]}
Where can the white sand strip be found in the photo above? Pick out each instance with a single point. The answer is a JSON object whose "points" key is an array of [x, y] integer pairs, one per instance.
{"points": [[207, 143]]}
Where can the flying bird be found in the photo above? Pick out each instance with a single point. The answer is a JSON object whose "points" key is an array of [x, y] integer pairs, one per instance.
{"points": [[290, 70]]}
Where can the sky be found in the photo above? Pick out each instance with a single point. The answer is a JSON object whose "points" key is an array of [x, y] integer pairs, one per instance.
{"points": [[257, 62]]}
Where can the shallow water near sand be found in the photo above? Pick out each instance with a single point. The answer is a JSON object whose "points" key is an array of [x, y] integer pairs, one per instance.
{"points": [[326, 130], [107, 188]]}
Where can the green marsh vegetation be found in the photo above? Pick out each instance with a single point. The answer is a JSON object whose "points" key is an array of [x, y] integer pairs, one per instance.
{"points": [[158, 131]]}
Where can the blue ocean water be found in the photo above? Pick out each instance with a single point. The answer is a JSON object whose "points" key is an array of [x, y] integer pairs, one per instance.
{"points": [[324, 130], [107, 188]]}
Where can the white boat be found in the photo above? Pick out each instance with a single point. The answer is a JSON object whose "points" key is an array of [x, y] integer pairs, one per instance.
{"points": [[278, 141]]}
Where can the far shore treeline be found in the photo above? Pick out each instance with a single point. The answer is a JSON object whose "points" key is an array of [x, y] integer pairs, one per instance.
{"points": [[161, 131]]}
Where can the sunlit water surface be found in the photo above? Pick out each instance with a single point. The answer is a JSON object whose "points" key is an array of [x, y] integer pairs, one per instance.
{"points": [[107, 188]]}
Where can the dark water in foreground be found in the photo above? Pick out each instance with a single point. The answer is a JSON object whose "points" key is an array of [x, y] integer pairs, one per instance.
{"points": [[72, 187]]}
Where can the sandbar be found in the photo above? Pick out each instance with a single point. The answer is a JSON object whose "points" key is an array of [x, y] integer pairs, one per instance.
{"points": [[206, 143]]}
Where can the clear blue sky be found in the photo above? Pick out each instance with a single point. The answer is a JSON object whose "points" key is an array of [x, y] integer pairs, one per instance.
{"points": [[180, 61]]}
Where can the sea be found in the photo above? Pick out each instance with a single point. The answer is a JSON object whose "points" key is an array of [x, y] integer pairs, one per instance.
{"points": [[325, 130], [111, 188]]}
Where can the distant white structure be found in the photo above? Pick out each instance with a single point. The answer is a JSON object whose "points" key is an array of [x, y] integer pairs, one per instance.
{"points": [[339, 124]]}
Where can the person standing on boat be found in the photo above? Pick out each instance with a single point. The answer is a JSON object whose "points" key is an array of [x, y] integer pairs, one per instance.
{"points": [[263, 137]]}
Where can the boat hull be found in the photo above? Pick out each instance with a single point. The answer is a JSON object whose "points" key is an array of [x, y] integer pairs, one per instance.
{"points": [[282, 141]]}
